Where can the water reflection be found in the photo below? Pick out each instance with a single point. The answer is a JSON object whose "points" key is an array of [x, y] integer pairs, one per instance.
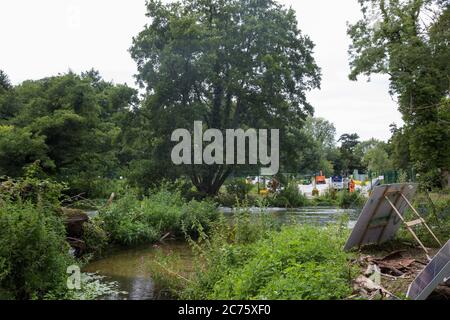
{"points": [[130, 267], [307, 215]]}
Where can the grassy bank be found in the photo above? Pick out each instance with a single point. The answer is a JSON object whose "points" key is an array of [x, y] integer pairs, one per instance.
{"points": [[253, 258], [35, 254]]}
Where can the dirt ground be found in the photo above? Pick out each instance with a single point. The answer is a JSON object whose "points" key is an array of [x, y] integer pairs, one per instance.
{"points": [[399, 263]]}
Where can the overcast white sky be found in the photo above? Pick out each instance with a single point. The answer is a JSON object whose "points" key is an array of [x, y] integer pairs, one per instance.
{"points": [[47, 37]]}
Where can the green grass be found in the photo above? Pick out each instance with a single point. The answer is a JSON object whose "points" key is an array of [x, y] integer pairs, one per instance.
{"points": [[253, 259]]}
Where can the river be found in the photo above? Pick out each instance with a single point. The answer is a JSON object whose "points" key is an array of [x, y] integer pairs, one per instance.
{"points": [[130, 267]]}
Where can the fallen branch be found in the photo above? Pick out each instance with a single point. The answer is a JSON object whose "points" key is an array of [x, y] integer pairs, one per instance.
{"points": [[173, 273], [164, 237]]}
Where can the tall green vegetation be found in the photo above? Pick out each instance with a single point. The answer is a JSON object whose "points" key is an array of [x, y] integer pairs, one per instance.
{"points": [[408, 40], [72, 124], [34, 253], [350, 160], [253, 259], [131, 221], [321, 153], [231, 64]]}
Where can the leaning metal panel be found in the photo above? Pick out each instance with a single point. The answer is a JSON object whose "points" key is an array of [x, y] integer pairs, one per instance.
{"points": [[434, 273], [378, 221]]}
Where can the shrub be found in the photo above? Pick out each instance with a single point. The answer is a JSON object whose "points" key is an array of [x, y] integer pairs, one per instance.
{"points": [[298, 262], [131, 221], [329, 199], [289, 197], [238, 188], [34, 253], [348, 200], [230, 200], [93, 187], [33, 187], [195, 214], [94, 236], [124, 221]]}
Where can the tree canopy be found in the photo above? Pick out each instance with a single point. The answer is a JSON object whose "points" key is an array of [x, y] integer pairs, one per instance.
{"points": [[72, 124], [408, 40], [231, 64]]}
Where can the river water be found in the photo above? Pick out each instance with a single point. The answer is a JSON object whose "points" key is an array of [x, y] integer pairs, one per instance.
{"points": [[130, 267]]}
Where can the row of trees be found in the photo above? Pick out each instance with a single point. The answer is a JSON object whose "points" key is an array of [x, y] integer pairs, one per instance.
{"points": [[86, 131], [233, 64], [72, 124]]}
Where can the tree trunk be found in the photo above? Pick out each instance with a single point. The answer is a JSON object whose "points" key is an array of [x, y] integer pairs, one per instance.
{"points": [[209, 182]]}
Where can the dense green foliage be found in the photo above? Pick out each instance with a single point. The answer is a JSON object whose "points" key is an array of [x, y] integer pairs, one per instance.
{"points": [[72, 124], [347, 199], [251, 260], [288, 197], [197, 63], [34, 253], [408, 40], [32, 188], [131, 221], [342, 199], [238, 188]]}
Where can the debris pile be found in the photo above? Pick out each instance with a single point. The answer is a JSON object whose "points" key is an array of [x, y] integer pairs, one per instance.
{"points": [[387, 277]]}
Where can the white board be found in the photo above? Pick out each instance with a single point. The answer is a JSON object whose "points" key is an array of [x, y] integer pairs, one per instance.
{"points": [[378, 221]]}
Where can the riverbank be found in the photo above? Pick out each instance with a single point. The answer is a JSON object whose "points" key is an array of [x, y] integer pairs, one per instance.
{"points": [[137, 270], [245, 252], [256, 225]]}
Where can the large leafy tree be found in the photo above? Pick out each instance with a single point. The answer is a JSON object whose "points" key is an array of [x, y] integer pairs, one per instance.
{"points": [[71, 123], [231, 64], [349, 158], [8, 103], [321, 154], [375, 156], [408, 40]]}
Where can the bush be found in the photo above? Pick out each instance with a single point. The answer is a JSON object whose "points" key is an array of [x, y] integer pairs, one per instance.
{"points": [[33, 188], [34, 254], [130, 221], [93, 187], [238, 188], [197, 214], [289, 197], [94, 236], [298, 262], [348, 200], [124, 221], [329, 199], [230, 200]]}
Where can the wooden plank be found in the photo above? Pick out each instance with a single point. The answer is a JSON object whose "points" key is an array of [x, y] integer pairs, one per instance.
{"points": [[423, 221], [414, 223], [407, 227]]}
